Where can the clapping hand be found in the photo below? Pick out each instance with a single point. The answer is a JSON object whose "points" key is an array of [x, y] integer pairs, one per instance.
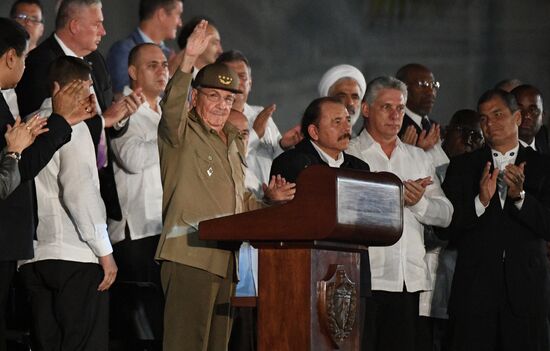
{"points": [[514, 177], [488, 184], [415, 189], [279, 190], [21, 135]]}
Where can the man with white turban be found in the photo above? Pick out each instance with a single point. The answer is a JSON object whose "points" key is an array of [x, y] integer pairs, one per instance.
{"points": [[347, 84]]}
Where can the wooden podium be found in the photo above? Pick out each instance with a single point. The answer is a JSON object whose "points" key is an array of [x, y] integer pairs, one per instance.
{"points": [[309, 255]]}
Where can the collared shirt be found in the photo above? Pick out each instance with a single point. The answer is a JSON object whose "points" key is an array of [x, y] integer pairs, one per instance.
{"points": [[71, 213], [11, 99], [137, 176], [436, 153], [532, 145], [261, 151], [403, 263], [327, 158], [202, 178], [500, 161], [147, 39]]}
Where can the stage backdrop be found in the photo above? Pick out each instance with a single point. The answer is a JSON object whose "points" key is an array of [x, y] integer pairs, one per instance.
{"points": [[469, 45]]}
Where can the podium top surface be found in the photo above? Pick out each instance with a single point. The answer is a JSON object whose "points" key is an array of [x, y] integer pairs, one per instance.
{"points": [[331, 204]]}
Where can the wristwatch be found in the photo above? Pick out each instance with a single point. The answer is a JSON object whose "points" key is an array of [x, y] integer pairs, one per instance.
{"points": [[521, 196], [15, 155]]}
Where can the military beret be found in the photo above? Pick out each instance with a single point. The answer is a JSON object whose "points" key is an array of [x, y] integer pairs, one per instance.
{"points": [[217, 76]]}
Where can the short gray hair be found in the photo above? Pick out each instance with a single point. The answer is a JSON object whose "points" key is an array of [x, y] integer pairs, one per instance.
{"points": [[385, 82], [67, 10]]}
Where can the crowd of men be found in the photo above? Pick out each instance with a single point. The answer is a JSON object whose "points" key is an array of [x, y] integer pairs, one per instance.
{"points": [[108, 165]]}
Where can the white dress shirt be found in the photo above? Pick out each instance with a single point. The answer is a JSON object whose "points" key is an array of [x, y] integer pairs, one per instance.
{"points": [[137, 176], [71, 213], [500, 161], [11, 99], [532, 145], [261, 151], [403, 262]]}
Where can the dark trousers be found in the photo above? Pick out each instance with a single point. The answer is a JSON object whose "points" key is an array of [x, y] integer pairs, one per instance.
{"points": [[67, 310], [244, 335], [502, 330], [137, 300], [391, 321], [7, 270]]}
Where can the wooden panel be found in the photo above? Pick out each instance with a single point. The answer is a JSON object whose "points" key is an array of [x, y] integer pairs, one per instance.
{"points": [[283, 300], [288, 317]]}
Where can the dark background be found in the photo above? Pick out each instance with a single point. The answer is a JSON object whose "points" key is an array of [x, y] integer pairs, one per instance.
{"points": [[469, 45]]}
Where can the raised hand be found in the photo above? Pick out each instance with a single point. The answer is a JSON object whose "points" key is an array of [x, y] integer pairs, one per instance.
{"points": [[196, 44], [110, 270], [514, 177], [260, 123], [291, 137], [74, 101], [22, 135], [125, 107], [488, 184], [279, 190], [410, 136], [428, 140]]}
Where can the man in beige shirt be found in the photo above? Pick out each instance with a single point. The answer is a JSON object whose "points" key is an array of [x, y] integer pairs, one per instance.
{"points": [[202, 161]]}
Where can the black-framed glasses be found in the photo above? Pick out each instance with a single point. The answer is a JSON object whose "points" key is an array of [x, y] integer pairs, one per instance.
{"points": [[29, 18], [216, 97], [428, 84]]}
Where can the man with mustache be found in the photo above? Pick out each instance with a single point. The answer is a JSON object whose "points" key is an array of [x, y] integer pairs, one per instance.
{"points": [[530, 103], [399, 272], [327, 131], [347, 84]]}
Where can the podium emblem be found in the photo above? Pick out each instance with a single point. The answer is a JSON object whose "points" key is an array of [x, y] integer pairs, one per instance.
{"points": [[337, 305]]}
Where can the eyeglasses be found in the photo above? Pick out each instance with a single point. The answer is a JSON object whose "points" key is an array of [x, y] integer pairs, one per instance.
{"points": [[28, 18], [427, 84], [470, 136], [216, 97]]}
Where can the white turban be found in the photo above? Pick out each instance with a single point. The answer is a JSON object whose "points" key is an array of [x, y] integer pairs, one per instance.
{"points": [[338, 72]]}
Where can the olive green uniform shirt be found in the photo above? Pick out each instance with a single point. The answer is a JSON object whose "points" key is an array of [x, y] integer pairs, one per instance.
{"points": [[202, 178]]}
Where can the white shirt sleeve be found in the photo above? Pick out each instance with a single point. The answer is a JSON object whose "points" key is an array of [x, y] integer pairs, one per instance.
{"points": [[79, 187], [133, 151], [433, 208]]}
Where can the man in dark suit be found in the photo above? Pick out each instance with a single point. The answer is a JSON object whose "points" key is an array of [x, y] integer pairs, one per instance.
{"points": [[501, 196], [417, 128], [79, 29], [326, 126], [531, 131], [17, 211]]}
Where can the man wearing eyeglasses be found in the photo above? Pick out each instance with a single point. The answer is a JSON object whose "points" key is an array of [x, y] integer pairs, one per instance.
{"points": [[463, 134], [529, 99], [202, 162], [418, 129], [29, 14]]}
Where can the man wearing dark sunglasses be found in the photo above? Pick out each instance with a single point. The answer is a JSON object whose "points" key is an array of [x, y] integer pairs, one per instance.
{"points": [[463, 134]]}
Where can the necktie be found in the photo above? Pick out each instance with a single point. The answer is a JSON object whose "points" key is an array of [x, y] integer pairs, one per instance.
{"points": [[426, 124], [102, 151], [501, 186]]}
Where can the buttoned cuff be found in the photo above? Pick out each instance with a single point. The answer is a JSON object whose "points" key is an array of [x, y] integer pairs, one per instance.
{"points": [[121, 124]]}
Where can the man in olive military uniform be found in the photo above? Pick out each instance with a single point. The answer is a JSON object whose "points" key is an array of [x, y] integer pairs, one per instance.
{"points": [[202, 169]]}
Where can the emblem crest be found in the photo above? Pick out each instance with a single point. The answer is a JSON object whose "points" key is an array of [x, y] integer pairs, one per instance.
{"points": [[337, 305], [225, 80]]}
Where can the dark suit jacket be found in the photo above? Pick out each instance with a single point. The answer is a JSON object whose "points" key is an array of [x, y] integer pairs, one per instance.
{"points": [[289, 165], [33, 89], [18, 211], [541, 141], [503, 247]]}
